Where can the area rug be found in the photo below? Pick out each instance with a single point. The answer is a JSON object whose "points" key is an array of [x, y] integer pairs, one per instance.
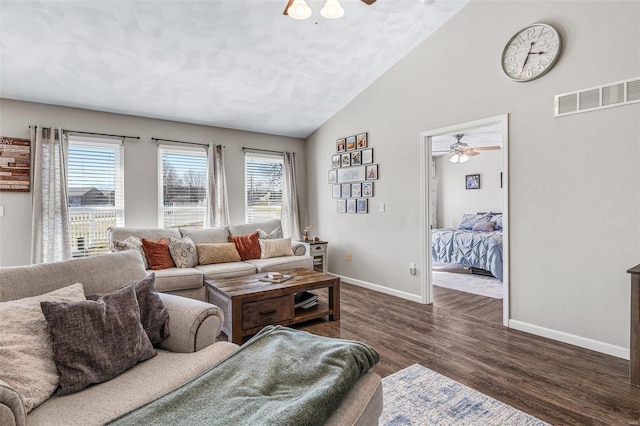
{"points": [[456, 277], [419, 396]]}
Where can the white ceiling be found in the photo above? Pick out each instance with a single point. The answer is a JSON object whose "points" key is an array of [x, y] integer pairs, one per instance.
{"points": [[238, 64]]}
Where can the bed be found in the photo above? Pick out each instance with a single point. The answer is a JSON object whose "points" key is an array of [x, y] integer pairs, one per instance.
{"points": [[476, 243]]}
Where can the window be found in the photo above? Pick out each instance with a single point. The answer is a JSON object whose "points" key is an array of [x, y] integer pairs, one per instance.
{"points": [[95, 191], [263, 186], [183, 187]]}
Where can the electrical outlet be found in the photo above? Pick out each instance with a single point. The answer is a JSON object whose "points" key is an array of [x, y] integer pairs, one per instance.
{"points": [[348, 256]]}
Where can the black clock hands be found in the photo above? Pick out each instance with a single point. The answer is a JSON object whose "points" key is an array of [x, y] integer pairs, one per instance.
{"points": [[526, 58]]}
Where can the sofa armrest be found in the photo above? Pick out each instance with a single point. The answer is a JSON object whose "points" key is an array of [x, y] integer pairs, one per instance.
{"points": [[12, 410], [193, 324], [299, 249]]}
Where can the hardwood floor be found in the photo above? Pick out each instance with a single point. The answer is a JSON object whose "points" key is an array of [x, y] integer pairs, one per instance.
{"points": [[481, 307], [558, 383]]}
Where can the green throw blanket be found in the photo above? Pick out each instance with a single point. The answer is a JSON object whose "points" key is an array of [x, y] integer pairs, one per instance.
{"points": [[281, 376]]}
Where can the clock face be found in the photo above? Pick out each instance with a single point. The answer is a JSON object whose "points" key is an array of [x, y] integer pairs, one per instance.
{"points": [[531, 52]]}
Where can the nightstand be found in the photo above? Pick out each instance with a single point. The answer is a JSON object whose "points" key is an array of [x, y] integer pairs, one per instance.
{"points": [[317, 249]]}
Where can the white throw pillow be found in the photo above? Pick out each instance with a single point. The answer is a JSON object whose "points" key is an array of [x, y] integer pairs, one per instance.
{"points": [[26, 347], [275, 248]]}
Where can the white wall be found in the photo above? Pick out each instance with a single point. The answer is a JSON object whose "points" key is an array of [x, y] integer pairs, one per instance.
{"points": [[140, 159], [574, 181], [454, 199]]}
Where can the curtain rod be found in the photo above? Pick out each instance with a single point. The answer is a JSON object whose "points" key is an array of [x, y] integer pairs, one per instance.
{"points": [[92, 133], [244, 148], [189, 143]]}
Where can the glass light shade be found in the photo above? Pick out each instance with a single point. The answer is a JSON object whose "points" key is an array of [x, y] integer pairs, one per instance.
{"points": [[299, 10], [464, 158], [455, 158], [332, 10]]}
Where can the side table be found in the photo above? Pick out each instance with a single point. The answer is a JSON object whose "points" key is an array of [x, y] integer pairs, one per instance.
{"points": [[317, 249]]}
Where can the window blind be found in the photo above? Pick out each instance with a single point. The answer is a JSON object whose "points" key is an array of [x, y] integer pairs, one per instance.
{"points": [[263, 186], [182, 187], [95, 192]]}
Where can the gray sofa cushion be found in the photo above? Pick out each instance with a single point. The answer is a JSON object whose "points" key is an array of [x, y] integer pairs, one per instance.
{"points": [[120, 233], [267, 226], [174, 279], [226, 270], [281, 263], [207, 235]]}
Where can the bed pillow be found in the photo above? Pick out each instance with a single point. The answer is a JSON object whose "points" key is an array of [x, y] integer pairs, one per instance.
{"points": [[183, 252], [498, 220], [96, 341], [484, 226], [247, 245], [217, 253], [131, 243], [275, 248], [158, 254], [468, 220], [26, 349]]}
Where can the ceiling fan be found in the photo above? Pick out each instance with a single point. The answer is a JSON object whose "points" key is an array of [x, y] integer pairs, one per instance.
{"points": [[460, 151], [298, 9]]}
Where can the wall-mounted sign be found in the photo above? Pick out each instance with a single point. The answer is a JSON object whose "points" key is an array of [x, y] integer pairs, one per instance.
{"points": [[15, 164], [352, 174]]}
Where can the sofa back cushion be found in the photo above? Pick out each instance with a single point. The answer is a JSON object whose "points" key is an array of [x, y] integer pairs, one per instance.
{"points": [[121, 233], [98, 274], [206, 235], [267, 226]]}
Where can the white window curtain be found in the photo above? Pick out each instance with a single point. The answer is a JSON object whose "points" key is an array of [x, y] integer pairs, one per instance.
{"points": [[50, 218], [218, 201], [290, 211]]}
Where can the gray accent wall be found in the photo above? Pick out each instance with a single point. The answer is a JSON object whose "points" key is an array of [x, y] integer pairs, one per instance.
{"points": [[140, 163], [574, 181]]}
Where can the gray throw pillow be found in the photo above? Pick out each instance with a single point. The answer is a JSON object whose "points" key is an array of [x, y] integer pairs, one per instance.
{"points": [[132, 243], [264, 235], [95, 341], [183, 252]]}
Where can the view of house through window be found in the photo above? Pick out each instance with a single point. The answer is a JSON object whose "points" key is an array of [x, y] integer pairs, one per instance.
{"points": [[263, 186], [95, 191], [183, 187]]}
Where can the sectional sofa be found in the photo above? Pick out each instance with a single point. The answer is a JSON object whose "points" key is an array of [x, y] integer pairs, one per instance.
{"points": [[189, 282]]}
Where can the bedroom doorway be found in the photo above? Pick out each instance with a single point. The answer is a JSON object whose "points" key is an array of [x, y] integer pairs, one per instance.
{"points": [[465, 200]]}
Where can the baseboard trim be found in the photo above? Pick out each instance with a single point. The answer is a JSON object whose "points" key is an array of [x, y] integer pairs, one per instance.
{"points": [[381, 289], [572, 339]]}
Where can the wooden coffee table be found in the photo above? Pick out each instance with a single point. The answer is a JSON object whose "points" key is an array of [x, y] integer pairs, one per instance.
{"points": [[249, 304]]}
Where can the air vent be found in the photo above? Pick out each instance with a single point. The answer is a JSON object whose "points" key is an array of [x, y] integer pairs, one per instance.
{"points": [[595, 98]]}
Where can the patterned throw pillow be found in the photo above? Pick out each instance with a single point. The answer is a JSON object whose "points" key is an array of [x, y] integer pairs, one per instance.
{"points": [[247, 245], [276, 233], [275, 248], [26, 349], [183, 252], [101, 339], [158, 254], [217, 253], [131, 243]]}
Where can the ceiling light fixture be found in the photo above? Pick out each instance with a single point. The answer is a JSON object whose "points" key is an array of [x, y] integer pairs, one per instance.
{"points": [[459, 158], [300, 10]]}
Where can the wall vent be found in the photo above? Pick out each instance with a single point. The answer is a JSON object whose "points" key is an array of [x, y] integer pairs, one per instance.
{"points": [[595, 98]]}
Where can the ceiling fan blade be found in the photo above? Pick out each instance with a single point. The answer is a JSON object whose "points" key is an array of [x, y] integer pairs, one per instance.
{"points": [[287, 8], [486, 148], [369, 2], [471, 153]]}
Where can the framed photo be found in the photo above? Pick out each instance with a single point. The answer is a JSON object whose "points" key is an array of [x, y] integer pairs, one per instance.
{"points": [[361, 140], [15, 164], [346, 190], [346, 160], [341, 145], [372, 172], [356, 158], [362, 205], [336, 191], [351, 143], [472, 182], [333, 176], [351, 205], [367, 189], [342, 205], [335, 161], [356, 190], [367, 156]]}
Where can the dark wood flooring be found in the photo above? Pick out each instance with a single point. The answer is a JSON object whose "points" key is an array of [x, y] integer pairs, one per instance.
{"points": [[558, 383], [481, 307]]}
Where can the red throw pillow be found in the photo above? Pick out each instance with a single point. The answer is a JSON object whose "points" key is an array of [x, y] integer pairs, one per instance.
{"points": [[248, 245], [158, 254]]}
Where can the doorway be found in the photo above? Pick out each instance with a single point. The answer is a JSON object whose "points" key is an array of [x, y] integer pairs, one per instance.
{"points": [[441, 226]]}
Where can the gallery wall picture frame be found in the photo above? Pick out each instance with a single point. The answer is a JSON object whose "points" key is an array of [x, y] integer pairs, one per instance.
{"points": [[351, 205], [333, 176], [335, 161], [367, 189], [356, 158], [356, 190], [346, 190], [472, 181], [346, 160], [371, 172], [351, 143], [336, 191], [361, 140], [342, 205], [367, 156], [341, 145], [362, 205]]}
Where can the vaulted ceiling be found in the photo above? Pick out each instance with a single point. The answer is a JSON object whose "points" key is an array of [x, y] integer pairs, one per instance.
{"points": [[238, 64]]}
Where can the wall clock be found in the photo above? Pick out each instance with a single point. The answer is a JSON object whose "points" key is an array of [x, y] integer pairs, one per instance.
{"points": [[531, 52]]}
